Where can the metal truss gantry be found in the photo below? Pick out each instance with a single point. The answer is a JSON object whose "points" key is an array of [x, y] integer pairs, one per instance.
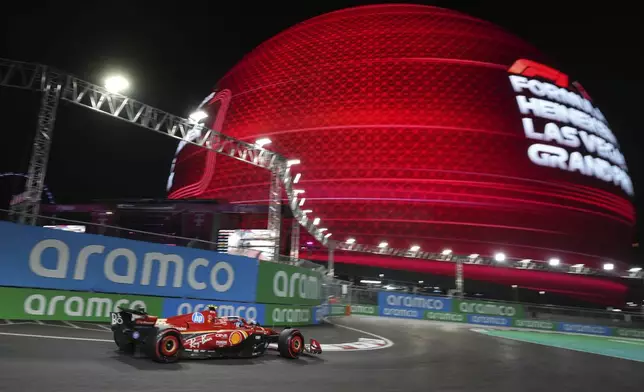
{"points": [[56, 85]]}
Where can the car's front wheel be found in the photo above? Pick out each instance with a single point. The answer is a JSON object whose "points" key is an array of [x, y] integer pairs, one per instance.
{"points": [[290, 343]]}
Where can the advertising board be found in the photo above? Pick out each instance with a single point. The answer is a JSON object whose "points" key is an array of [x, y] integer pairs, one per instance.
{"points": [[489, 320], [629, 333], [488, 308], [37, 304], [368, 310], [282, 315], [287, 284], [445, 316], [249, 311], [584, 328], [410, 306], [535, 324], [55, 259]]}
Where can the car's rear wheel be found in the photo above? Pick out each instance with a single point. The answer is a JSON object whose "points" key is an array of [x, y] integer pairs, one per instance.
{"points": [[167, 347], [290, 343]]}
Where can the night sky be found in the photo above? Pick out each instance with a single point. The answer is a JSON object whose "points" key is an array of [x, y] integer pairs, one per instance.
{"points": [[173, 55]]}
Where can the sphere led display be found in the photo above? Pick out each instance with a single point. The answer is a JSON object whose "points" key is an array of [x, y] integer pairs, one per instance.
{"points": [[418, 125]]}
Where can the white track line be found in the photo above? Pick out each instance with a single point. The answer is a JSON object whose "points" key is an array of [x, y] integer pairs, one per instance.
{"points": [[388, 343], [28, 335], [71, 325], [39, 322], [8, 322], [104, 327]]}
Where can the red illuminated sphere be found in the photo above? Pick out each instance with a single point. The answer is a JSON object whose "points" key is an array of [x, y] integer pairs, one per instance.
{"points": [[408, 132]]}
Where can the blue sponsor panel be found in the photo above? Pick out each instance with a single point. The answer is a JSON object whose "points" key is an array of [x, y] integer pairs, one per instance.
{"points": [[584, 328], [489, 320], [249, 311], [321, 311], [56, 259], [410, 306]]}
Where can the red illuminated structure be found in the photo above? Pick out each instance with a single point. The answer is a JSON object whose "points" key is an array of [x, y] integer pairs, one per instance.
{"points": [[408, 131]]}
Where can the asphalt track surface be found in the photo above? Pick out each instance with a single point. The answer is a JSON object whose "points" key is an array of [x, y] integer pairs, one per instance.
{"points": [[425, 356]]}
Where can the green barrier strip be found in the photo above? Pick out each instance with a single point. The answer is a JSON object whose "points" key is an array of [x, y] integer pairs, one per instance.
{"points": [[38, 304], [488, 308], [288, 285], [41, 304]]}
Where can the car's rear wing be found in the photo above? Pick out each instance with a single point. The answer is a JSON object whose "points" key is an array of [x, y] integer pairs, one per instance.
{"points": [[128, 318]]}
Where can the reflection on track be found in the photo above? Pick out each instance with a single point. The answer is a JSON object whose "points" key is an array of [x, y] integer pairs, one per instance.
{"points": [[426, 355]]}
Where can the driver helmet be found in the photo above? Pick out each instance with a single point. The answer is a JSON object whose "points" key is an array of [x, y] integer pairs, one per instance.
{"points": [[212, 309]]}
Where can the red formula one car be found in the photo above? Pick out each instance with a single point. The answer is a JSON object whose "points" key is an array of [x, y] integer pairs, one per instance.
{"points": [[203, 335]]}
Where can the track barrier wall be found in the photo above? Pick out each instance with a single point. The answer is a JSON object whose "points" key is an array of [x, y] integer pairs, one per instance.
{"points": [[480, 313], [50, 274]]}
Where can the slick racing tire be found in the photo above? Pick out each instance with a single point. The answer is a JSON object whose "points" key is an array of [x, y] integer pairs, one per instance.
{"points": [[123, 343], [290, 343], [166, 348]]}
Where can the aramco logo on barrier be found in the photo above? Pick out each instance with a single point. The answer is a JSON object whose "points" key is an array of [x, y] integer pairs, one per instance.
{"points": [[163, 263], [296, 286], [415, 302], [291, 315], [487, 308], [76, 306]]}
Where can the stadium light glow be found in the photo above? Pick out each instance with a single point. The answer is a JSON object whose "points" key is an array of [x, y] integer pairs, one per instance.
{"points": [[198, 115], [351, 241], [367, 281], [500, 257], [292, 162], [262, 142], [473, 255], [383, 245], [414, 248], [446, 252], [635, 269], [609, 266], [554, 262], [116, 84]]}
